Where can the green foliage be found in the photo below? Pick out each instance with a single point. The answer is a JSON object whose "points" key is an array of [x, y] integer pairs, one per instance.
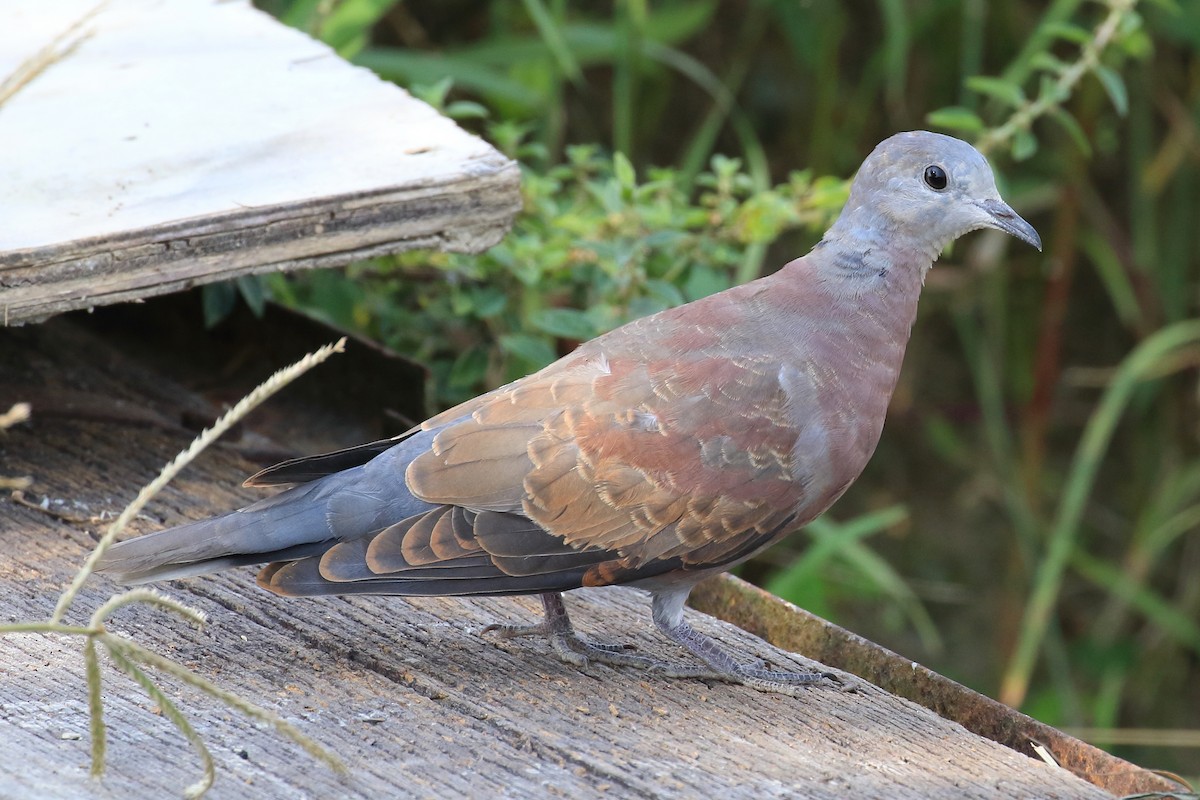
{"points": [[800, 582], [219, 299], [594, 248], [1118, 36]]}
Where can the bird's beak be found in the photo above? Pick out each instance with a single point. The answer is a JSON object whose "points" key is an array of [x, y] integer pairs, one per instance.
{"points": [[1005, 219]]}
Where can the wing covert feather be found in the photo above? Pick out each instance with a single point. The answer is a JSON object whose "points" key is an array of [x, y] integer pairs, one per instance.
{"points": [[648, 459]]}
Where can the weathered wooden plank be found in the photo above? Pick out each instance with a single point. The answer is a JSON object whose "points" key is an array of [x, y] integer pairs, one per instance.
{"points": [[189, 141], [404, 690], [792, 628]]}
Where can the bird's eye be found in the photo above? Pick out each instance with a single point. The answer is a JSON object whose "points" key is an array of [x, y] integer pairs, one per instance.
{"points": [[935, 177]]}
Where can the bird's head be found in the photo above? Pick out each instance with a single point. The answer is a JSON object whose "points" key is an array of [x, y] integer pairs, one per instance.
{"points": [[930, 189]]}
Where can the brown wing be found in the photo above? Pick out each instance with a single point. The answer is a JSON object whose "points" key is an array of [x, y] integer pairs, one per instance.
{"points": [[647, 460]]}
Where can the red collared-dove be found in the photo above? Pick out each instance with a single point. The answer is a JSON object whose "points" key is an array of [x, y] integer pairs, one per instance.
{"points": [[655, 455]]}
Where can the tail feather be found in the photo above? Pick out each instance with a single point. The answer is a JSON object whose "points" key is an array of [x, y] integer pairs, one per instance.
{"points": [[259, 532], [175, 571], [302, 521]]}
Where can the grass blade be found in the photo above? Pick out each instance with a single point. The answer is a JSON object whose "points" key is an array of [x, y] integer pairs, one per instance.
{"points": [[1146, 358]]}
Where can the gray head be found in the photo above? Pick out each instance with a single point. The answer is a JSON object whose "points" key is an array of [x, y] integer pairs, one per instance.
{"points": [[929, 189]]}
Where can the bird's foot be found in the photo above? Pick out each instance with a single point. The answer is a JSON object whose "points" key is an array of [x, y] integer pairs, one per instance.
{"points": [[569, 646], [720, 664], [517, 631], [781, 682], [574, 649]]}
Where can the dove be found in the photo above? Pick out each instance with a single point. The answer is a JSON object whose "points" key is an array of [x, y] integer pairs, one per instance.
{"points": [[658, 454]]}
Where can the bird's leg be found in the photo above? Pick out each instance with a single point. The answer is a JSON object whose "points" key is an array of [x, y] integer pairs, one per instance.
{"points": [[668, 616], [570, 646]]}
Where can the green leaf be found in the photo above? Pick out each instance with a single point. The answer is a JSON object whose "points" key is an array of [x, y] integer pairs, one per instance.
{"points": [[408, 67], [623, 169], [349, 26], [302, 14], [1069, 32], [1008, 93], [1024, 145], [1071, 126], [666, 294], [762, 217], [955, 118], [831, 539], [217, 301], [251, 289], [1138, 44], [665, 239], [469, 368], [1150, 603], [568, 323], [945, 440], [1115, 86], [534, 350], [1046, 61], [678, 22], [1051, 92], [703, 281], [552, 35], [644, 307], [589, 43], [488, 301], [1130, 23], [434, 93], [466, 109], [462, 304], [1115, 277]]}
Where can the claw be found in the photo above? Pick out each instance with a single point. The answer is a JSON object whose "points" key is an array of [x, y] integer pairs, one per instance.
{"points": [[514, 631], [568, 645]]}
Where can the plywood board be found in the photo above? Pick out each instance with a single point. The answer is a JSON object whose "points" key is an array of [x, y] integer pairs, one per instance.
{"points": [[156, 144]]}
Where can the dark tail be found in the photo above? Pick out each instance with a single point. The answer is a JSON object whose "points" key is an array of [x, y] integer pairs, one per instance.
{"points": [[302, 521], [291, 524]]}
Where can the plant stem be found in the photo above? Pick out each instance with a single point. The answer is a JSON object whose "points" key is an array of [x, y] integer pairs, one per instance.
{"points": [[1089, 59], [269, 387]]}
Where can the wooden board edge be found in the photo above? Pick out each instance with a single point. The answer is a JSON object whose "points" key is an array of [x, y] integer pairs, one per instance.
{"points": [[466, 215], [784, 625]]}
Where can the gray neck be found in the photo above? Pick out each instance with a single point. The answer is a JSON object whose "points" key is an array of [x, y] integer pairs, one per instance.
{"points": [[864, 246]]}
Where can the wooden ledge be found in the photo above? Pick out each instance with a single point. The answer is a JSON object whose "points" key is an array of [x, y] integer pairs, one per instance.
{"points": [[791, 628], [404, 690]]}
